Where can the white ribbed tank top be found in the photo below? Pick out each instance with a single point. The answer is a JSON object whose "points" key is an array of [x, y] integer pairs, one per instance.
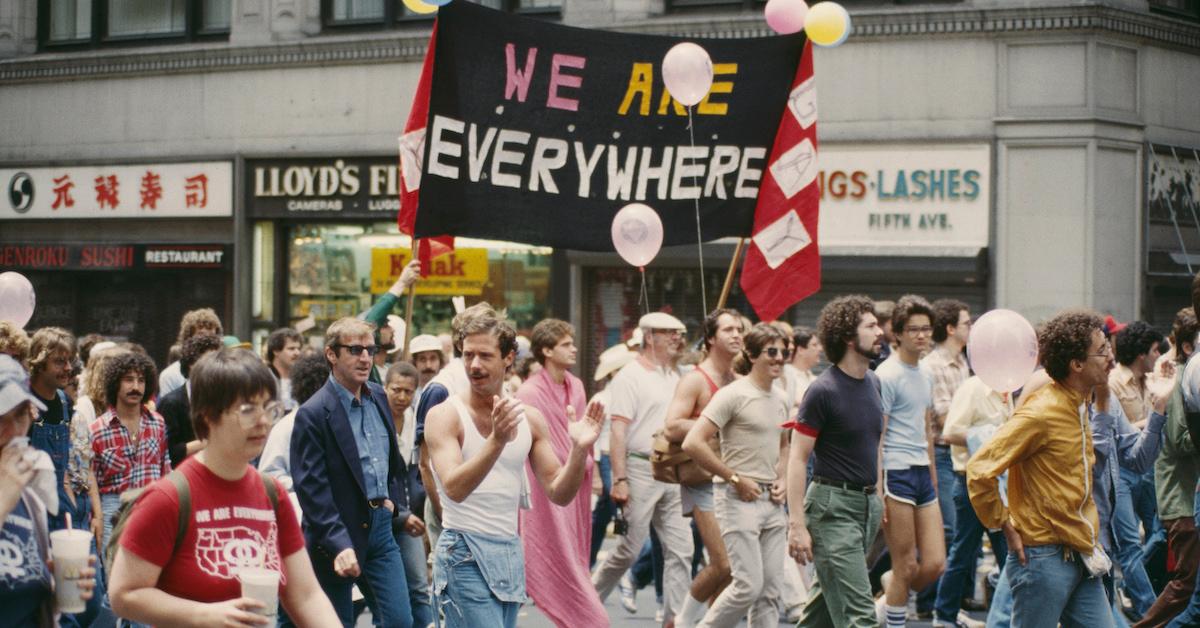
{"points": [[491, 509]]}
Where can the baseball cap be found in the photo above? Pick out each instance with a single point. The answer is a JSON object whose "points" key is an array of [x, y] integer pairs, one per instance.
{"points": [[14, 386], [661, 320], [424, 342], [1111, 326]]}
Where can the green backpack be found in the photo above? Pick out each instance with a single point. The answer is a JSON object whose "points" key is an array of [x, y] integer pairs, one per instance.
{"points": [[121, 518]]}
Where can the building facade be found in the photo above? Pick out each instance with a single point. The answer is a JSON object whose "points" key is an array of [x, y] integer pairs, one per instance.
{"points": [[1025, 155]]}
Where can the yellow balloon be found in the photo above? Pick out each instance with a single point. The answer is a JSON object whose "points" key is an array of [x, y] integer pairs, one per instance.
{"points": [[827, 24], [417, 6]]}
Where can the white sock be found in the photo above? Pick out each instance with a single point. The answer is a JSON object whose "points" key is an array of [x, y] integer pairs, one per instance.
{"points": [[691, 614], [897, 616]]}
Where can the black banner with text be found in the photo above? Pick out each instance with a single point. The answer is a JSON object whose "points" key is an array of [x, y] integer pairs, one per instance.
{"points": [[540, 133]]}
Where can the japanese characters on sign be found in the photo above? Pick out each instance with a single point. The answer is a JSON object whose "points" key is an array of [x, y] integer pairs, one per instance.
{"points": [[181, 190]]}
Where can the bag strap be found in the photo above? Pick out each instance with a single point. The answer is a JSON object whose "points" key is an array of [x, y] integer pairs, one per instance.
{"points": [[272, 491], [183, 490]]}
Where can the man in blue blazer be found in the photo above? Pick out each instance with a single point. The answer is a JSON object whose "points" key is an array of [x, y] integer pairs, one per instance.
{"points": [[348, 477]]}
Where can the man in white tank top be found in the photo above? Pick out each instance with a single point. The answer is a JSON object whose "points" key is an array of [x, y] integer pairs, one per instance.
{"points": [[478, 444]]}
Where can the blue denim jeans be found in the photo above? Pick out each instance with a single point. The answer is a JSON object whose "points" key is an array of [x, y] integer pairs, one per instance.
{"points": [[960, 566], [412, 550], [1127, 537], [382, 582], [1054, 587], [603, 513], [1190, 615], [1000, 614], [478, 580], [942, 459]]}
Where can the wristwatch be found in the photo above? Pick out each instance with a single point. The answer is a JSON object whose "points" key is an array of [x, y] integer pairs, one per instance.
{"points": [[734, 479]]}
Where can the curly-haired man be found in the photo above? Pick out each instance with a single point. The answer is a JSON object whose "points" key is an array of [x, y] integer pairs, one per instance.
{"points": [[1050, 521], [833, 522], [129, 441], [201, 321]]}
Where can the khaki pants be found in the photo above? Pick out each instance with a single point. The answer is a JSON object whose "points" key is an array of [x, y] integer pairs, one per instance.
{"points": [[654, 502], [842, 524], [755, 536]]}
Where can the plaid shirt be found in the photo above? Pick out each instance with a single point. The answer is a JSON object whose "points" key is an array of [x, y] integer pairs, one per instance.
{"points": [[948, 373], [117, 464]]}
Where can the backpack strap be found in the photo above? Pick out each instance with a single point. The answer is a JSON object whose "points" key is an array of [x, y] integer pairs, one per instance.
{"points": [[185, 506], [272, 491]]}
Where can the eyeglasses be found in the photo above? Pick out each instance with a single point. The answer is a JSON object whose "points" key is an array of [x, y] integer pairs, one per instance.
{"points": [[248, 414], [919, 331], [774, 352], [358, 349], [1105, 353]]}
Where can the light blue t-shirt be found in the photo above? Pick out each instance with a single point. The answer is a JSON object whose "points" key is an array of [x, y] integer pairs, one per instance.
{"points": [[907, 393]]}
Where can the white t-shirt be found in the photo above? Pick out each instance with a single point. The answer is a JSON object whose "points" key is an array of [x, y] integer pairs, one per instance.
{"points": [[641, 393], [750, 419]]}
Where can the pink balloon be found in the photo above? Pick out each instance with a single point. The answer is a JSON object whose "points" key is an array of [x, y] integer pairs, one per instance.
{"points": [[786, 16], [688, 73], [637, 232], [16, 299], [1003, 350]]}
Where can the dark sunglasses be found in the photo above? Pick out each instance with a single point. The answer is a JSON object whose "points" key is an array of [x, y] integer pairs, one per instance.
{"points": [[774, 352], [358, 349]]}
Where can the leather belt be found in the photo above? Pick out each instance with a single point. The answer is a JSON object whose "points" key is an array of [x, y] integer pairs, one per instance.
{"points": [[849, 486], [376, 503]]}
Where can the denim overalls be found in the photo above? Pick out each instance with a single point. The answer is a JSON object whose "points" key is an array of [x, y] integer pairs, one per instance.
{"points": [[55, 439]]}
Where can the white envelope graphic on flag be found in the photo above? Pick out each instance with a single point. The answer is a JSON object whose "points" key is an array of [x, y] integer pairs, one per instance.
{"points": [[412, 151], [782, 239], [803, 103], [796, 168]]}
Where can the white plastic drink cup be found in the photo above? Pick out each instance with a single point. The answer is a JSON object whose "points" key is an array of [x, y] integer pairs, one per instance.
{"points": [[262, 585], [69, 549]]}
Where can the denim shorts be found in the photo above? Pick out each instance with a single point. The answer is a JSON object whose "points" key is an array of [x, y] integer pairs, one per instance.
{"points": [[912, 486], [696, 498]]}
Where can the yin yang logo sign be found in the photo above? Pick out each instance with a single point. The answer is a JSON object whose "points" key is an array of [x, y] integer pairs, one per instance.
{"points": [[20, 192]]}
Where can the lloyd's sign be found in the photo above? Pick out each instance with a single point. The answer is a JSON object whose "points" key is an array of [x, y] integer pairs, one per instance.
{"points": [[460, 272], [342, 187], [905, 195]]}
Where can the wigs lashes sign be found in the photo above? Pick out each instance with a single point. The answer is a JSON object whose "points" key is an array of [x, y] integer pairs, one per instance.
{"points": [[540, 133]]}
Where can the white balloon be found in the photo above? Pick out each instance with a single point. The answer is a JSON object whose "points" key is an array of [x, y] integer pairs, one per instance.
{"points": [[637, 233], [16, 299], [688, 73]]}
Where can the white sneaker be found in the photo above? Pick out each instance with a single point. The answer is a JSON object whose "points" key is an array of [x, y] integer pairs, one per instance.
{"points": [[628, 594], [965, 621], [881, 611], [658, 614]]}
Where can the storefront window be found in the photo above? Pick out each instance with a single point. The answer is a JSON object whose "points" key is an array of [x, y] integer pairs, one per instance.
{"points": [[337, 270]]}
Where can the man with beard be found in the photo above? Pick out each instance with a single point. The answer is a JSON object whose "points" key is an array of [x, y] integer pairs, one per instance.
{"points": [[480, 445], [640, 394], [833, 522], [722, 341], [1050, 520]]}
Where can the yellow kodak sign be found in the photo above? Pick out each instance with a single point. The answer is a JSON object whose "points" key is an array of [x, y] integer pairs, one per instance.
{"points": [[459, 272]]}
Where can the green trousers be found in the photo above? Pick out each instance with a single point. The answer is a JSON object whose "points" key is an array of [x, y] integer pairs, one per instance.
{"points": [[843, 525]]}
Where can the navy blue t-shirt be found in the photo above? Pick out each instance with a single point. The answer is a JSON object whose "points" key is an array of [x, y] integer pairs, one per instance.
{"points": [[845, 415], [433, 395], [24, 579]]}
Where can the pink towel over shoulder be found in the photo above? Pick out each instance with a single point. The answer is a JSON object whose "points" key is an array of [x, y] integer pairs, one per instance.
{"points": [[557, 538]]}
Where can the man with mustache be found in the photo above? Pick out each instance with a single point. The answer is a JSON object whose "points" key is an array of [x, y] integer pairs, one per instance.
{"points": [[427, 356], [833, 522], [480, 444], [129, 441]]}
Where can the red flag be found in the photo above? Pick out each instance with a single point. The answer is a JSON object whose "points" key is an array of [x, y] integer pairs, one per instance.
{"points": [[783, 264], [412, 154]]}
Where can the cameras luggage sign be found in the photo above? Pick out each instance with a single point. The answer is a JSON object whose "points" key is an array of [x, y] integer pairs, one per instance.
{"points": [[540, 133]]}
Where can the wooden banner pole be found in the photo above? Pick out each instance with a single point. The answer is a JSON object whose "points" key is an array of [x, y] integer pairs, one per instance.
{"points": [[733, 264], [408, 315]]}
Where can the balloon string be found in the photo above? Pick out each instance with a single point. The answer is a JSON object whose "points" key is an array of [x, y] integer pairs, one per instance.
{"points": [[699, 236], [644, 297]]}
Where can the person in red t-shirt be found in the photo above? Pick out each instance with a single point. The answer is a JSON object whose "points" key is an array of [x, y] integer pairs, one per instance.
{"points": [[232, 523]]}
